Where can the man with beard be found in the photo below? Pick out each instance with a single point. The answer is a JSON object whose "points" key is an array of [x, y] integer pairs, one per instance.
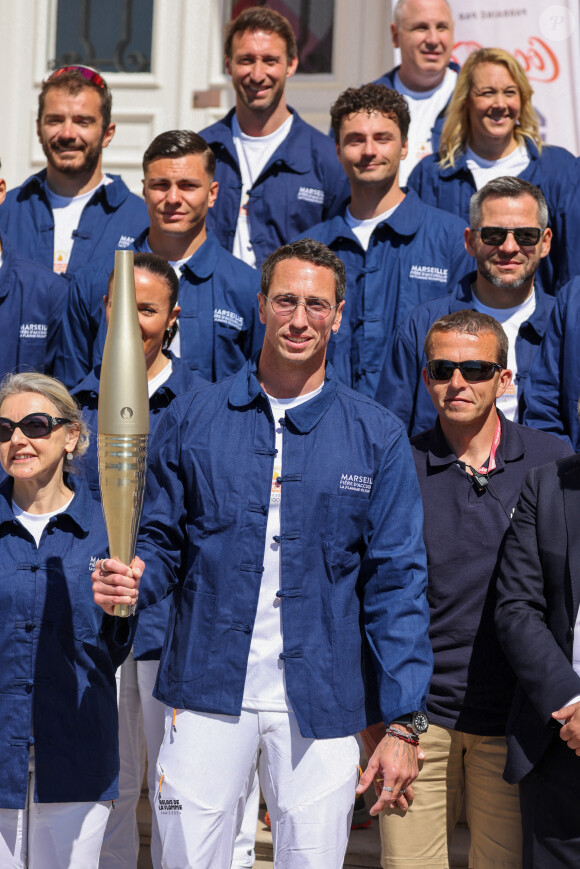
{"points": [[277, 174], [71, 212], [508, 238]]}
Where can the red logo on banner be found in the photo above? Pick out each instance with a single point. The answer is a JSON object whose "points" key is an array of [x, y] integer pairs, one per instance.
{"points": [[538, 60]]}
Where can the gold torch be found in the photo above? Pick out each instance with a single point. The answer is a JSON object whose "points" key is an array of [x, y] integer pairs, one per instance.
{"points": [[123, 420]]}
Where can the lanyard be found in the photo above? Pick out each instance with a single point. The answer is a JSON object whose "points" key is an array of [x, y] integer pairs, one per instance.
{"points": [[491, 463]]}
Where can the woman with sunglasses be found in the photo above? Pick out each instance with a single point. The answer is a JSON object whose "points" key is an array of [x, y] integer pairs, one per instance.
{"points": [[58, 716], [141, 716], [492, 130]]}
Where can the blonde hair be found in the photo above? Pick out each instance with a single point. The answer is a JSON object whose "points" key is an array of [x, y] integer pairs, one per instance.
{"points": [[457, 128], [55, 392]]}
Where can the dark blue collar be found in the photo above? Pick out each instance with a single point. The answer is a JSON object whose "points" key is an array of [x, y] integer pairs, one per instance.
{"points": [[78, 511]]}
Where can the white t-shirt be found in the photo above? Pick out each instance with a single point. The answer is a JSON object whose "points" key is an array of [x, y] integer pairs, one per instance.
{"points": [[67, 211], [363, 229], [159, 379], [424, 108], [265, 686], [253, 152], [35, 523], [511, 319], [486, 170]]}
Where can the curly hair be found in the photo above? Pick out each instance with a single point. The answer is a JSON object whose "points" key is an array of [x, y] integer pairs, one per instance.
{"points": [[371, 98], [457, 128]]}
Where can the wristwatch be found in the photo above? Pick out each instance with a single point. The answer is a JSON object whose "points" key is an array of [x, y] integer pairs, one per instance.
{"points": [[417, 721]]}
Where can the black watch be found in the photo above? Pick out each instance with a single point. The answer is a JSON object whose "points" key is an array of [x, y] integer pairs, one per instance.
{"points": [[417, 721]]}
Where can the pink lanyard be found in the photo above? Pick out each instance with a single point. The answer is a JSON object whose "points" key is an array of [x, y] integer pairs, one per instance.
{"points": [[491, 463]]}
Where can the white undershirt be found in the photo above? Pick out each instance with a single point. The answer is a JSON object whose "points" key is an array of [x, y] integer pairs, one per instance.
{"points": [[159, 379], [511, 319], [176, 265], [253, 152], [66, 211], [35, 523], [424, 108], [363, 229], [486, 170], [265, 686]]}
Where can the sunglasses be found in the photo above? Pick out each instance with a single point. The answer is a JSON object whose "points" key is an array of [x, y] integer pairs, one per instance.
{"points": [[34, 425], [473, 370], [87, 72], [525, 236]]}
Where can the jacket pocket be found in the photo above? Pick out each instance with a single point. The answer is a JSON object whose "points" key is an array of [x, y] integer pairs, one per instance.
{"points": [[192, 630], [347, 681]]}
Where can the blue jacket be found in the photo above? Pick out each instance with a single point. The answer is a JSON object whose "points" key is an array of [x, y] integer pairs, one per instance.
{"points": [[302, 184], [401, 386], [59, 655], [413, 256], [152, 623], [352, 553], [554, 383], [219, 325], [31, 302], [111, 219], [452, 188], [388, 79]]}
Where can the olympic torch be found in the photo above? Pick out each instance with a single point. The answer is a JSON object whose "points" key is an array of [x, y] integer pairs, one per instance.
{"points": [[123, 419]]}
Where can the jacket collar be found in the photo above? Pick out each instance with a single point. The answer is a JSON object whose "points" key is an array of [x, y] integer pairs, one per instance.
{"points": [[405, 220], [78, 511], [202, 263], [246, 391], [510, 449], [295, 150], [8, 263], [463, 298], [113, 194], [461, 161]]}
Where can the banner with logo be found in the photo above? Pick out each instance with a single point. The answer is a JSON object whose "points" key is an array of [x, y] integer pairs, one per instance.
{"points": [[545, 37]]}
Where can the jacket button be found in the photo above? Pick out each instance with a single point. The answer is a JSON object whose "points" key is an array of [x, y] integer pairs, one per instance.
{"points": [[28, 627], [34, 567]]}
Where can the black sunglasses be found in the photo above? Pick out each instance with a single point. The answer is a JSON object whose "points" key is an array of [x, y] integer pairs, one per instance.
{"points": [[473, 370], [34, 425], [525, 236]]}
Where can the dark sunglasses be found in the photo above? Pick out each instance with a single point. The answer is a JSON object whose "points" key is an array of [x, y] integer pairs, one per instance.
{"points": [[473, 370], [87, 72], [34, 425], [525, 236]]}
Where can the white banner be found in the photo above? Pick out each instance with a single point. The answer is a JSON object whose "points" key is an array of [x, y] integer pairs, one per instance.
{"points": [[545, 38]]}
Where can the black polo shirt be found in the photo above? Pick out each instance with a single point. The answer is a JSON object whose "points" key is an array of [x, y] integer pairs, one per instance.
{"points": [[464, 528]]}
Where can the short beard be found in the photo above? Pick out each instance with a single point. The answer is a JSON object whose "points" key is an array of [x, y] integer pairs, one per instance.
{"points": [[87, 167], [501, 283]]}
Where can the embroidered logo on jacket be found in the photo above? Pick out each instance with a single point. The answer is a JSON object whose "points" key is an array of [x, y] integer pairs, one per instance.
{"points": [[33, 330], [429, 273], [125, 241], [355, 483], [228, 318], [311, 194]]}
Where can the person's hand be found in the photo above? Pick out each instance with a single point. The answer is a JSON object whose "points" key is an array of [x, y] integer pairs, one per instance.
{"points": [[570, 731], [393, 767], [116, 583]]}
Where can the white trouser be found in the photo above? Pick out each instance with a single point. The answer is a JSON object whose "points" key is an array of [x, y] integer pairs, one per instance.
{"points": [[244, 846], [206, 768], [55, 835], [141, 727]]}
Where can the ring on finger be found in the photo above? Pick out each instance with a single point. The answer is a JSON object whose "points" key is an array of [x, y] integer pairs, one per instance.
{"points": [[385, 788]]}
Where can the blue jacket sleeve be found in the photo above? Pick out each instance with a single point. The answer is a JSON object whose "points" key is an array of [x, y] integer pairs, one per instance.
{"points": [[394, 573], [401, 375], [544, 404]]}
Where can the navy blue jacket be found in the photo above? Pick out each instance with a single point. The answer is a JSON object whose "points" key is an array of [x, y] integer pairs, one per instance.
{"points": [[388, 79], [415, 255], [302, 184], [537, 604], [554, 382], [59, 654], [452, 188], [401, 386], [219, 325], [152, 623], [352, 553], [32, 299], [111, 219], [472, 685]]}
